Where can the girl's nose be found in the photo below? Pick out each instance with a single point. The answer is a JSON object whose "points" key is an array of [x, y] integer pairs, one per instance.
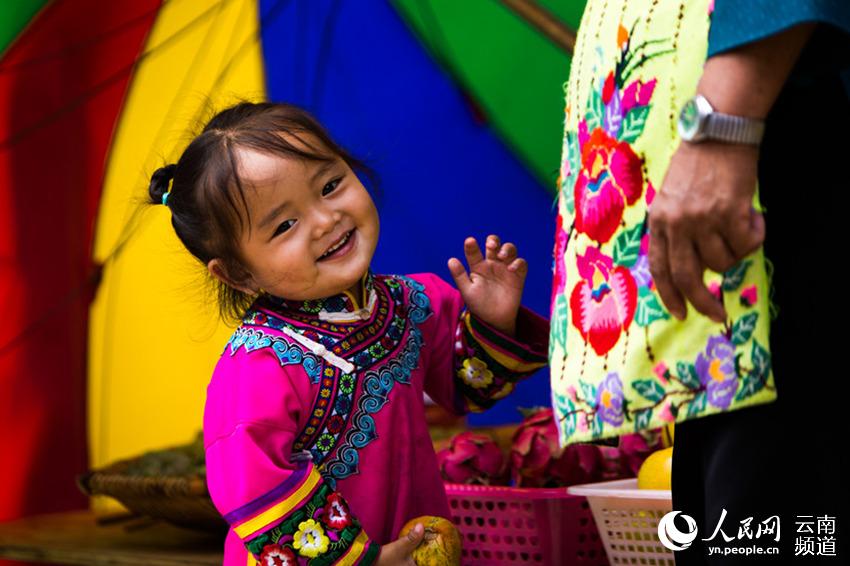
{"points": [[325, 221]]}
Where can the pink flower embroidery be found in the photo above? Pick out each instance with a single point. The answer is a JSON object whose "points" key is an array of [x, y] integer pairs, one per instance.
{"points": [[665, 414], [610, 178], [581, 424], [650, 192], [637, 93], [714, 289], [662, 372], [749, 296], [560, 279], [603, 303]]}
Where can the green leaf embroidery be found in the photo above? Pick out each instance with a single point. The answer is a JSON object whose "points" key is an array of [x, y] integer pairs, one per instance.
{"points": [[697, 404], [570, 198], [755, 380], [627, 246], [743, 328], [733, 278], [649, 308], [559, 321], [688, 375], [738, 358], [760, 360], [642, 419], [589, 392], [649, 389], [751, 385], [597, 426], [567, 414], [595, 111], [633, 123], [626, 405], [571, 154]]}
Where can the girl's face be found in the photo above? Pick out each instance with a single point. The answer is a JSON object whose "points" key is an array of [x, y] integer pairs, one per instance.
{"points": [[313, 226]]}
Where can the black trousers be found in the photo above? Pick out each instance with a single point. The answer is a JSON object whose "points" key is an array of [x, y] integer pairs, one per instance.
{"points": [[788, 458]]}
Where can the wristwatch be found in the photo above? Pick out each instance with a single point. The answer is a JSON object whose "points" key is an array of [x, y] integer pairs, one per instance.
{"points": [[699, 122]]}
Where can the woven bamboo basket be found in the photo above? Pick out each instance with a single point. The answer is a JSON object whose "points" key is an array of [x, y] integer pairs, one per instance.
{"points": [[182, 501]]}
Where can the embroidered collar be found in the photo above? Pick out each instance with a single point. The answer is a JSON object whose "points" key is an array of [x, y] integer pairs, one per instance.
{"points": [[343, 307]]}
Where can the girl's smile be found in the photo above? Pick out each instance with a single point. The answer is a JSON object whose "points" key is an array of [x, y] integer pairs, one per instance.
{"points": [[341, 247], [312, 227]]}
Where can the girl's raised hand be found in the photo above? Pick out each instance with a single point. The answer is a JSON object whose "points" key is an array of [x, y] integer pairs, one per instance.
{"points": [[492, 290]]}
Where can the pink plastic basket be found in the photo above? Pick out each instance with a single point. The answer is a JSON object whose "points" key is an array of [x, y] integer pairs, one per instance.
{"points": [[508, 525]]}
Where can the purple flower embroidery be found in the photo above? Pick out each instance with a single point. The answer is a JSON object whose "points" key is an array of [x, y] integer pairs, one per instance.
{"points": [[641, 273], [716, 369], [613, 111], [640, 270], [609, 400]]}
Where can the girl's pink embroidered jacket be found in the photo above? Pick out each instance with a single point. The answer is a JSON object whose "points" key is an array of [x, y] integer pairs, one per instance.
{"points": [[316, 442]]}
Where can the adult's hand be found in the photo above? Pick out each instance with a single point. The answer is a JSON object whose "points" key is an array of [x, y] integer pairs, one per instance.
{"points": [[703, 219]]}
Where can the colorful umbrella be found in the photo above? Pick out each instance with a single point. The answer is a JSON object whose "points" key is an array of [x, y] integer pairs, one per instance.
{"points": [[462, 126]]}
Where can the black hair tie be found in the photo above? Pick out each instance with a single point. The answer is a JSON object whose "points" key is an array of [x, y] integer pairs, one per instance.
{"points": [[160, 183]]}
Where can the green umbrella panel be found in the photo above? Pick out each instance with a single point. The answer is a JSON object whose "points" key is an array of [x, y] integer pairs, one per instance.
{"points": [[512, 72]]}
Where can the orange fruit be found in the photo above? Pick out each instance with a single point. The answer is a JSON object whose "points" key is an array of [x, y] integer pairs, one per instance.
{"points": [[441, 544], [656, 471]]}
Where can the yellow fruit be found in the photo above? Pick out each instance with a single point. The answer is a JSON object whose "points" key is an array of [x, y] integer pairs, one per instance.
{"points": [[656, 471], [441, 544]]}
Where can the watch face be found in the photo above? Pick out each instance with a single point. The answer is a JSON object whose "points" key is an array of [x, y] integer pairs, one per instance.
{"points": [[689, 120]]}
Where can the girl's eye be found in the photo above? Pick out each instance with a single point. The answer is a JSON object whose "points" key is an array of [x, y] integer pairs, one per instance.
{"points": [[331, 187], [284, 226]]}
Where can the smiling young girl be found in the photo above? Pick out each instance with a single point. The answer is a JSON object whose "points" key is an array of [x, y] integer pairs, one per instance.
{"points": [[316, 442]]}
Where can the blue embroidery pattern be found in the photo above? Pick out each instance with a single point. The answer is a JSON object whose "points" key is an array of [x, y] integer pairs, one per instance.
{"points": [[332, 413], [287, 353], [378, 383]]}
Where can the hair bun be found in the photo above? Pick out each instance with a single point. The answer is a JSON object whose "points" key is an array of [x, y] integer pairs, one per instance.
{"points": [[160, 180]]}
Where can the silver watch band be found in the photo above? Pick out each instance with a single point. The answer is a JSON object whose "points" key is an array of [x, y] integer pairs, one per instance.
{"points": [[734, 129]]}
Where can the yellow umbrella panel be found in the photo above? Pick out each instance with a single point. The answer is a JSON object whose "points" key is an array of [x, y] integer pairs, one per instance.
{"points": [[155, 333]]}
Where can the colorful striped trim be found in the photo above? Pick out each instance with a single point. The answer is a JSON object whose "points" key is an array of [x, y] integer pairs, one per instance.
{"points": [[510, 354], [275, 513], [355, 551], [371, 555], [270, 497]]}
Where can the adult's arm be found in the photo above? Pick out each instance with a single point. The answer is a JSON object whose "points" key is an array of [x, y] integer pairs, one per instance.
{"points": [[703, 216]]}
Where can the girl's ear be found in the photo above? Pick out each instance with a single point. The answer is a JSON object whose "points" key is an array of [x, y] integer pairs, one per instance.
{"points": [[218, 270]]}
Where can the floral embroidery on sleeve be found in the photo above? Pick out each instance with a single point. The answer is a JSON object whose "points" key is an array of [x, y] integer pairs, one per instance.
{"points": [[488, 364], [302, 517]]}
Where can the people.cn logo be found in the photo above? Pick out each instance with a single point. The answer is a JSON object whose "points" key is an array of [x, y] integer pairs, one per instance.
{"points": [[673, 538]]}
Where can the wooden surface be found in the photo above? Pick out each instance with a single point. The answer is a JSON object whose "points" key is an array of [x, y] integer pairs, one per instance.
{"points": [[75, 538]]}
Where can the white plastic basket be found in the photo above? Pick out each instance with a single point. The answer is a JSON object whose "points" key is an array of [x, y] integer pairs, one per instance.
{"points": [[627, 520]]}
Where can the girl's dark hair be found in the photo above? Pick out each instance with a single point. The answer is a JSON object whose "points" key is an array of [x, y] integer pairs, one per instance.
{"points": [[207, 199]]}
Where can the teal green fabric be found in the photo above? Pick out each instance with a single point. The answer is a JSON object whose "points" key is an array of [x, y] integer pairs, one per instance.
{"points": [[735, 23], [14, 17], [513, 73], [827, 53]]}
